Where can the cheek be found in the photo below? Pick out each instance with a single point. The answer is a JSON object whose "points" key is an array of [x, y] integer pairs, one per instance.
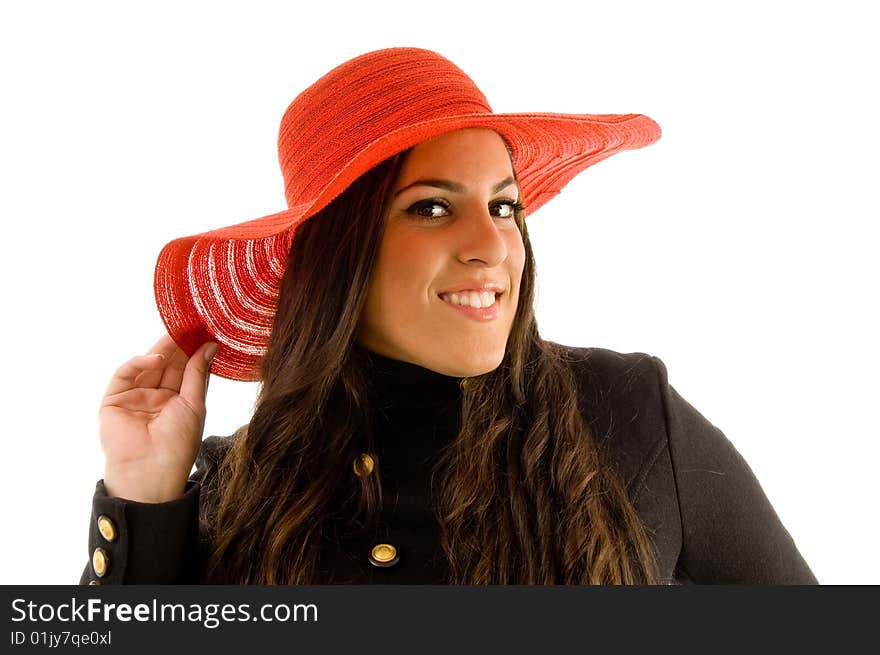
{"points": [[404, 271], [403, 255], [516, 258]]}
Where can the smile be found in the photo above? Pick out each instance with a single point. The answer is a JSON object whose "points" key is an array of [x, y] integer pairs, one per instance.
{"points": [[471, 298], [476, 305]]}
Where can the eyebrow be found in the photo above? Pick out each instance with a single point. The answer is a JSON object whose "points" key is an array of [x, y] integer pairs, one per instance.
{"points": [[449, 185]]}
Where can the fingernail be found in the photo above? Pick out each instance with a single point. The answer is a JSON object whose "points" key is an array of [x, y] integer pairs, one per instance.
{"points": [[211, 351]]}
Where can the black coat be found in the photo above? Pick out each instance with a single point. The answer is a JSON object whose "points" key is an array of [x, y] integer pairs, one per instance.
{"points": [[705, 511]]}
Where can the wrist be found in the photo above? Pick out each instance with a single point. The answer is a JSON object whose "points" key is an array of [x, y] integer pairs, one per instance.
{"points": [[122, 485]]}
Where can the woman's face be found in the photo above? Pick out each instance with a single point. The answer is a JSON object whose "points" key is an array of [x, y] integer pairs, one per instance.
{"points": [[449, 227]]}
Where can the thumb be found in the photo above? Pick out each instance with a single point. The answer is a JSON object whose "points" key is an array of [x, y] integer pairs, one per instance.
{"points": [[196, 374]]}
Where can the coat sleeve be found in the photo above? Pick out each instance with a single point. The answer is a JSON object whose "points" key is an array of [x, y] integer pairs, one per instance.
{"points": [[730, 532], [149, 543]]}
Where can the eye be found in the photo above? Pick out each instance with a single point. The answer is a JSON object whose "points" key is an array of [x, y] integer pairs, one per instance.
{"points": [[432, 208], [506, 208]]}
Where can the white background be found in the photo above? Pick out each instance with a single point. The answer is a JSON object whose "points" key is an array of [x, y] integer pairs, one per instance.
{"points": [[741, 248]]}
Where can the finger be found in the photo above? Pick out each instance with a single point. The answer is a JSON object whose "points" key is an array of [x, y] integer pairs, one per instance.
{"points": [[172, 375], [172, 354], [126, 376], [165, 346], [140, 399], [195, 376]]}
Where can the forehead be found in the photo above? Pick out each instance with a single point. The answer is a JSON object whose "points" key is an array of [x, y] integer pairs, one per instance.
{"points": [[471, 153]]}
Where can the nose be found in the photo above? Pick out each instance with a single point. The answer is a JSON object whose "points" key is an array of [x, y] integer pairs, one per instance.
{"points": [[480, 239]]}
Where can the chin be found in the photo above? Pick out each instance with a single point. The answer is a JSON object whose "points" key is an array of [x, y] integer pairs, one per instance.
{"points": [[470, 366]]}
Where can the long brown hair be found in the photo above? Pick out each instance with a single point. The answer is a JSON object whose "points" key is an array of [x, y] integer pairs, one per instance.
{"points": [[524, 494]]}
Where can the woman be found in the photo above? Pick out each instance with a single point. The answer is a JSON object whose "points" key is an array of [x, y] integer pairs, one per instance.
{"points": [[412, 426]]}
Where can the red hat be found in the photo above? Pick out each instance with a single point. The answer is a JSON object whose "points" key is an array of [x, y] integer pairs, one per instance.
{"points": [[222, 285]]}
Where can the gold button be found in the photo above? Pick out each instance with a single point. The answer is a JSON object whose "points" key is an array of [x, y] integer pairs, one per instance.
{"points": [[363, 465], [383, 555], [106, 528], [100, 562], [94, 582]]}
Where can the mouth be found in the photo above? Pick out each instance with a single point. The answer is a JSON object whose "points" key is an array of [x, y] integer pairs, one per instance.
{"points": [[471, 299]]}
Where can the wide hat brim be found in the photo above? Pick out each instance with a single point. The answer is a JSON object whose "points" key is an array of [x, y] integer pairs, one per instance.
{"points": [[222, 285]]}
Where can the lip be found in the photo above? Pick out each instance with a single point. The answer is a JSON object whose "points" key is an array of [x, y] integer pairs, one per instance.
{"points": [[475, 285], [482, 314]]}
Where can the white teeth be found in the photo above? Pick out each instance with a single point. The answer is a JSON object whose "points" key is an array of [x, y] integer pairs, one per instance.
{"points": [[470, 298]]}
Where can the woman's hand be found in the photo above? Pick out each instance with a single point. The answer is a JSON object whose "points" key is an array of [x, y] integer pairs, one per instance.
{"points": [[151, 421]]}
